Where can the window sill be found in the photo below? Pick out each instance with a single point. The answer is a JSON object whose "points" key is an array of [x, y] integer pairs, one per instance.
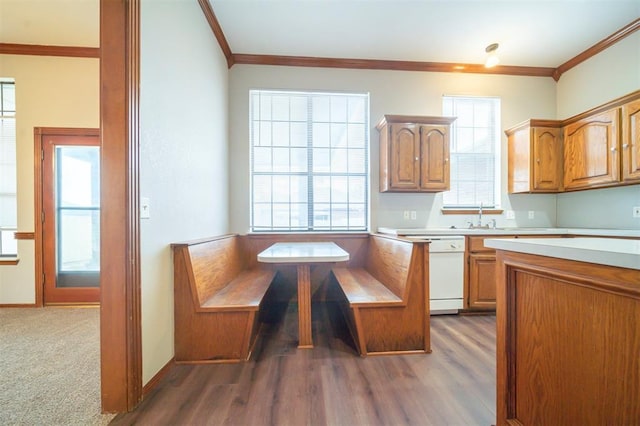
{"points": [[471, 211], [9, 261]]}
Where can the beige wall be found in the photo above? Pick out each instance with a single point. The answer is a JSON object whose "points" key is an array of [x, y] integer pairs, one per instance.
{"points": [[394, 92], [50, 92], [612, 73], [183, 155]]}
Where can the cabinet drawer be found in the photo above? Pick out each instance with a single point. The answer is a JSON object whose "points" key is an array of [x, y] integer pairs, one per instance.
{"points": [[476, 244]]}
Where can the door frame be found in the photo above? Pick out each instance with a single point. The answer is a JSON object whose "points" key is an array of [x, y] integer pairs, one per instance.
{"points": [[39, 134], [120, 305]]}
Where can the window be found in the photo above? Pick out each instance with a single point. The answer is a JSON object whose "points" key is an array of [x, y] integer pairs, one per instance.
{"points": [[309, 161], [8, 205], [475, 152]]}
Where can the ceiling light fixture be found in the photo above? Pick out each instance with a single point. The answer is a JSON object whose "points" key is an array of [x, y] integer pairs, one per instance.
{"points": [[492, 57]]}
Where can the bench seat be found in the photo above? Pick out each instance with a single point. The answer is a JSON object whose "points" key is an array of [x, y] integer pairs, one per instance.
{"points": [[361, 288], [244, 293], [385, 297], [218, 298]]}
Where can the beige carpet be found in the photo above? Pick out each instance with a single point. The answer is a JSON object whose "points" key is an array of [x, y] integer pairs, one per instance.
{"points": [[50, 366]]}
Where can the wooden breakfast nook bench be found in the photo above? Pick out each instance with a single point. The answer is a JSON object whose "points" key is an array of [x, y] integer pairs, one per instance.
{"points": [[386, 299], [217, 299]]}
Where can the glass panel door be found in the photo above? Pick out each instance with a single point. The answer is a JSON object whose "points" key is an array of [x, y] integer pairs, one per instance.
{"points": [[71, 219]]}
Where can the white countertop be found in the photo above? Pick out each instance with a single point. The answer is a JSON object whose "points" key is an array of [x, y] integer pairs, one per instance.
{"points": [[604, 251], [303, 252], [512, 231]]}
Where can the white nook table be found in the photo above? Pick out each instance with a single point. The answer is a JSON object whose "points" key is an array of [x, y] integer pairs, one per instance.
{"points": [[303, 255]]}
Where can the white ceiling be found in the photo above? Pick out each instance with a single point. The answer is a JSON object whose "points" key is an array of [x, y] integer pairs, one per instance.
{"points": [[542, 33]]}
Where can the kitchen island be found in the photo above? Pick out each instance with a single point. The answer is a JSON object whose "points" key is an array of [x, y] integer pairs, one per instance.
{"points": [[568, 331]]}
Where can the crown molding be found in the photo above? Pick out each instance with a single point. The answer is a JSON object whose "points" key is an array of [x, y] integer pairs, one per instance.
{"points": [[44, 50], [376, 64], [597, 48], [217, 30]]}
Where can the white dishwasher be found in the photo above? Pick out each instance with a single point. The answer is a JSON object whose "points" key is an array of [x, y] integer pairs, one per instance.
{"points": [[446, 272]]}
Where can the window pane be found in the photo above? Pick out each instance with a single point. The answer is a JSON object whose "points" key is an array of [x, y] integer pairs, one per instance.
{"points": [[475, 141], [262, 160], [338, 135], [280, 134], [281, 189], [338, 109], [322, 189], [8, 244], [299, 108], [321, 134], [77, 252], [356, 135], [321, 108], [321, 161], [261, 189], [357, 109], [298, 134], [280, 108], [302, 138]]}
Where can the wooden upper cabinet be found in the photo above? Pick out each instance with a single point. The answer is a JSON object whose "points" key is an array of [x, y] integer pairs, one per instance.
{"points": [[630, 148], [434, 146], [404, 157], [535, 156], [414, 153], [591, 156]]}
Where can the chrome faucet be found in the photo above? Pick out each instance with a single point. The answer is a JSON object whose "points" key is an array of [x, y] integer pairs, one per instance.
{"points": [[480, 216]]}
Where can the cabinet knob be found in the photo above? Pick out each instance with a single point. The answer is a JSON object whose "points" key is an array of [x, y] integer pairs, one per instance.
{"points": [[613, 149], [538, 160], [446, 160], [416, 158], [625, 146]]}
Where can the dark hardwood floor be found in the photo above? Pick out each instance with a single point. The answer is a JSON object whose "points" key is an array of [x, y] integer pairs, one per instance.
{"points": [[330, 384]]}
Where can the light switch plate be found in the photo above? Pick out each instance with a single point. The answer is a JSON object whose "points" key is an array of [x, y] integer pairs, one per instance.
{"points": [[532, 214], [145, 208], [636, 211], [511, 214]]}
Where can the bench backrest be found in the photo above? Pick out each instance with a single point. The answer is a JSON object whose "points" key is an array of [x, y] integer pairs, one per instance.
{"points": [[389, 260], [214, 263]]}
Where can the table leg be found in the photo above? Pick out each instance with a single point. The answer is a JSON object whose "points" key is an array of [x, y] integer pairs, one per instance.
{"points": [[305, 340]]}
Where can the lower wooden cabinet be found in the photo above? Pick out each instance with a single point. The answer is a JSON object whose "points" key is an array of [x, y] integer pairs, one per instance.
{"points": [[480, 274], [482, 281]]}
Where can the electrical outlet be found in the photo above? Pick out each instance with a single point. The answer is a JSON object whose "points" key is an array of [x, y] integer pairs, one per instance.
{"points": [[413, 215], [511, 214], [532, 214], [636, 211], [405, 215]]}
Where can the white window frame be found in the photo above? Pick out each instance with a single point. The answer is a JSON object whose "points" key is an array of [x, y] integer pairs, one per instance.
{"points": [[352, 215], [458, 152], [8, 244]]}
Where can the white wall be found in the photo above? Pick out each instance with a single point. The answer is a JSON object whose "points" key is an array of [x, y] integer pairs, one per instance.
{"points": [[612, 73], [50, 92], [183, 155], [393, 92]]}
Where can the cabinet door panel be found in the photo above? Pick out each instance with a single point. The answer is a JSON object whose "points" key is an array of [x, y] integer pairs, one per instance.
{"points": [[434, 152], [590, 151], [404, 157], [482, 281], [631, 141], [547, 152]]}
